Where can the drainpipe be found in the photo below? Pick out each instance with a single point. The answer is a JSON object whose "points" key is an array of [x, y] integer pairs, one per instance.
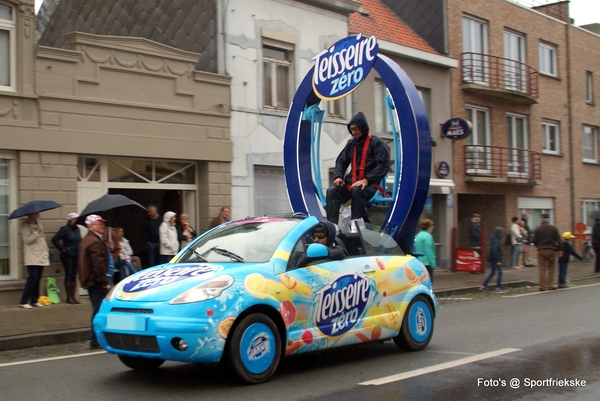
{"points": [[570, 117]]}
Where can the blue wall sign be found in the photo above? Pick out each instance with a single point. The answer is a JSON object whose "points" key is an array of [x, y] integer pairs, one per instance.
{"points": [[457, 128], [341, 68], [442, 169], [415, 137]]}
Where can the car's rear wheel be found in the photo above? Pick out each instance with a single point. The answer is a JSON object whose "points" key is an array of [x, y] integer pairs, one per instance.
{"points": [[139, 363], [255, 348], [417, 325]]}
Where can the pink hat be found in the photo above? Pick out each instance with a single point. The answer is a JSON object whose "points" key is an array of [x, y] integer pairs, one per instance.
{"points": [[72, 216], [92, 218]]}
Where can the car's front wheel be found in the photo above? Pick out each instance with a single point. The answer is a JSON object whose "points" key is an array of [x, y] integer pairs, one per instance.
{"points": [[255, 348], [417, 325], [139, 363]]}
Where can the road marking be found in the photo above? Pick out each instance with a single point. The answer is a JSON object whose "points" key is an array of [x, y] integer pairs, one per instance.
{"points": [[436, 368], [56, 358], [547, 292]]}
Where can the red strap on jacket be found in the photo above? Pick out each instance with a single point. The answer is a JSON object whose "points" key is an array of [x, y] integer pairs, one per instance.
{"points": [[361, 168]]}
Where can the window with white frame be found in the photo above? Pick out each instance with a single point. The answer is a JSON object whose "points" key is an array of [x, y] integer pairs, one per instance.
{"points": [[590, 144], [270, 195], [515, 74], [589, 86], [382, 119], [9, 229], [518, 161], [478, 157], [277, 73], [7, 47], [336, 108], [588, 207], [550, 137], [548, 59], [475, 48]]}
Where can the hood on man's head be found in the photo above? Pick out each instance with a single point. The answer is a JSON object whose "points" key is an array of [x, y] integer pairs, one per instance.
{"points": [[499, 232], [167, 216], [327, 227], [361, 122]]}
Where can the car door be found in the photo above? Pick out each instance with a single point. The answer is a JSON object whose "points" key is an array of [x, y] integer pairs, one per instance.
{"points": [[341, 294]]}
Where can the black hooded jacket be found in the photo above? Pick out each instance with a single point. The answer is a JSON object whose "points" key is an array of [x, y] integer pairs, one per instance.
{"points": [[378, 155], [336, 252]]}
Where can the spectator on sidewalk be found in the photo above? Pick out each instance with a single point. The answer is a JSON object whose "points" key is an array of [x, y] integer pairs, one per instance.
{"points": [[150, 235], [425, 245], [596, 243], [35, 257], [495, 260], [563, 260], [527, 242], [523, 245], [67, 240], [93, 267], [475, 231], [548, 243], [169, 243], [223, 217], [515, 240]]}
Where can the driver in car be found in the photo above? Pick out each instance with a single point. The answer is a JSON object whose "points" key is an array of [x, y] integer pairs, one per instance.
{"points": [[324, 234]]}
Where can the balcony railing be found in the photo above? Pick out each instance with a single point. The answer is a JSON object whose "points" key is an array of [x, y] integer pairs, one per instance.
{"points": [[502, 164], [499, 73]]}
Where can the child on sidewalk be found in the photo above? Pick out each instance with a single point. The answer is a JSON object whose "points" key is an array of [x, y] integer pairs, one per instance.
{"points": [[563, 260], [495, 260]]}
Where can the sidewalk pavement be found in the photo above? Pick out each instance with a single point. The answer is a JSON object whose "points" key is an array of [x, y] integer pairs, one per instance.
{"points": [[65, 323]]}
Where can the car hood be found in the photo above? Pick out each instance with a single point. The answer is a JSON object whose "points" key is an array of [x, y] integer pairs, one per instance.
{"points": [[165, 282]]}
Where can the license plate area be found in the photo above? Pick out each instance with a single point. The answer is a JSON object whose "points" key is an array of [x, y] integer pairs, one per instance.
{"points": [[126, 322]]}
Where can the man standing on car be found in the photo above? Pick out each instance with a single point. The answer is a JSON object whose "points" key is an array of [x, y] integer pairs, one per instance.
{"points": [[93, 265], [369, 157]]}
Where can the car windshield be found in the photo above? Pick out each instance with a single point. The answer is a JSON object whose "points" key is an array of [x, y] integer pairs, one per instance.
{"points": [[248, 241], [376, 242]]}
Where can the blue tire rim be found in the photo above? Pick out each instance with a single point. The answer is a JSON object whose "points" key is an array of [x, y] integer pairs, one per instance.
{"points": [[257, 348], [419, 321]]}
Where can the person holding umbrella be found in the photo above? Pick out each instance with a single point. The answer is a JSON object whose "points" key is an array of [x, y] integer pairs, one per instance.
{"points": [[67, 240], [35, 257]]}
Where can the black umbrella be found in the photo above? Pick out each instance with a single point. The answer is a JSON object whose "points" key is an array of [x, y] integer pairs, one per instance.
{"points": [[107, 207], [34, 206]]}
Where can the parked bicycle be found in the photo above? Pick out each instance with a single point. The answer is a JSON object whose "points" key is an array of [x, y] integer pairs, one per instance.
{"points": [[588, 253]]}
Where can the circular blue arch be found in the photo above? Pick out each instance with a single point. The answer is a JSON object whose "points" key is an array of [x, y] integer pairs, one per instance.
{"points": [[415, 140]]}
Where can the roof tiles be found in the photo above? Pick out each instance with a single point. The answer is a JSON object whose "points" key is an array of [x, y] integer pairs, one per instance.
{"points": [[385, 25]]}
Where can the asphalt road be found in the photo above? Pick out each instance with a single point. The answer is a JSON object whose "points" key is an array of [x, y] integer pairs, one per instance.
{"points": [[479, 348]]}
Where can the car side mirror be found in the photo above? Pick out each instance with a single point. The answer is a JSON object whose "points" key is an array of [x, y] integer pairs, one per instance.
{"points": [[317, 251]]}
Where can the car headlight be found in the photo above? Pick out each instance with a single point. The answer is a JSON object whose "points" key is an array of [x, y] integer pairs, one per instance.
{"points": [[208, 290]]}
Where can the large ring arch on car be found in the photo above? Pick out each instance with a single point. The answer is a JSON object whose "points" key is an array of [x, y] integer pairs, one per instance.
{"points": [[415, 145]]}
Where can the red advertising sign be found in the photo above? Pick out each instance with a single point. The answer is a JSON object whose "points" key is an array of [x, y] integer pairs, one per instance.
{"points": [[469, 259]]}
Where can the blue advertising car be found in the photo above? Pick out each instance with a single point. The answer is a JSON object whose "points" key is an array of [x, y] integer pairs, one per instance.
{"points": [[253, 291]]}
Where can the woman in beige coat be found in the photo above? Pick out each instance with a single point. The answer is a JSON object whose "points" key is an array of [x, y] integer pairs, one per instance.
{"points": [[35, 257]]}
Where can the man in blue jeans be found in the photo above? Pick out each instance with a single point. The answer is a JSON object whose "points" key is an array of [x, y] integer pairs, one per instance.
{"points": [[150, 235]]}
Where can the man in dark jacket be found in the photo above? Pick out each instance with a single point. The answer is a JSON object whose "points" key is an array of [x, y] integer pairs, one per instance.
{"points": [[67, 241], [563, 260], [596, 243], [475, 231], [93, 264], [324, 234], [150, 235], [495, 260], [369, 158], [548, 243]]}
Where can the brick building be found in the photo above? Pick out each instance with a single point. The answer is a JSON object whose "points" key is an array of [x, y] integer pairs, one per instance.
{"points": [[523, 87]]}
